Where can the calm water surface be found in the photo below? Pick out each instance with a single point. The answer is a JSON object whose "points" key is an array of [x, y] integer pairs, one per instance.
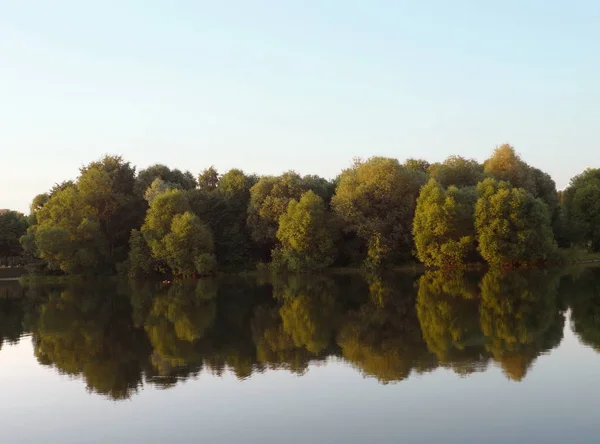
{"points": [[503, 357]]}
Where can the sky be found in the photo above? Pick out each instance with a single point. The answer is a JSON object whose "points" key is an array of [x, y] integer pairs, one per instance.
{"points": [[269, 86]]}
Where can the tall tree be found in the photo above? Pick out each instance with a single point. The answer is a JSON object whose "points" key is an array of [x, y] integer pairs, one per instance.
{"points": [[145, 178], [208, 179], [269, 199], [457, 171], [306, 234], [376, 199], [582, 208], [512, 226], [443, 229], [13, 225]]}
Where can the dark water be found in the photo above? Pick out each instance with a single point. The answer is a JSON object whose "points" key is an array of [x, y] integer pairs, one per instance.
{"points": [[497, 358]]}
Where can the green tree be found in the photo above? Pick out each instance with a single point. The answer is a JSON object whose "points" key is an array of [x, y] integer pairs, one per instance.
{"points": [[140, 262], [84, 227], [13, 225], [159, 186], [189, 246], [176, 237], [457, 171], [144, 179], [208, 179], [376, 199], [306, 234], [512, 226], [443, 228], [582, 208], [68, 235], [419, 165], [269, 199], [506, 165]]}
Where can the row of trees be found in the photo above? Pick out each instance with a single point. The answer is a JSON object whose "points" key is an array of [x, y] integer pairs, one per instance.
{"points": [[378, 212], [388, 328]]}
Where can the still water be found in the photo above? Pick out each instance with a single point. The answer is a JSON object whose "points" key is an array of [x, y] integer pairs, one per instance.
{"points": [[502, 357]]}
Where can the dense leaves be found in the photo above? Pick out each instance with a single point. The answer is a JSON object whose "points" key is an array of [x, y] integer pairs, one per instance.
{"points": [[163, 220], [512, 226], [443, 226], [376, 199], [306, 233]]}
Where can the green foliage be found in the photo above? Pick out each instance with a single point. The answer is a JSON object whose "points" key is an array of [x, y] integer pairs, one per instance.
{"points": [[185, 180], [457, 171], [512, 226], [84, 227], [208, 179], [443, 228], [157, 187], [176, 237], [13, 225], [507, 166], [582, 209], [160, 216], [376, 199], [189, 246], [419, 165], [68, 234], [306, 234], [269, 199], [140, 262]]}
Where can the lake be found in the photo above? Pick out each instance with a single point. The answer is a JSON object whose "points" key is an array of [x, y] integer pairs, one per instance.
{"points": [[496, 357]]}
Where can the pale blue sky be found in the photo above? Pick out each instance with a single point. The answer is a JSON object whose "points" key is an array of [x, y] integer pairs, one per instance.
{"points": [[269, 86]]}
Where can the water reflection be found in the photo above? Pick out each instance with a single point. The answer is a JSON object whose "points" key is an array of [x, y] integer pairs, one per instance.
{"points": [[118, 337]]}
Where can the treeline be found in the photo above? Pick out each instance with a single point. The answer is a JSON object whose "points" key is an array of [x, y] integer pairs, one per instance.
{"points": [[121, 337], [378, 213]]}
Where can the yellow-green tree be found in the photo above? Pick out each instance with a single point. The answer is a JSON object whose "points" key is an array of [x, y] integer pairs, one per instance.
{"points": [[306, 234], [512, 226], [376, 200], [178, 240], [443, 228], [457, 171]]}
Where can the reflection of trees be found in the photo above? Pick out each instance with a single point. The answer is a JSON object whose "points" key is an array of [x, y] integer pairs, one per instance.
{"points": [[301, 328], [91, 335], [177, 320], [520, 317], [583, 292], [448, 311], [382, 337], [11, 314], [381, 325], [308, 312]]}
